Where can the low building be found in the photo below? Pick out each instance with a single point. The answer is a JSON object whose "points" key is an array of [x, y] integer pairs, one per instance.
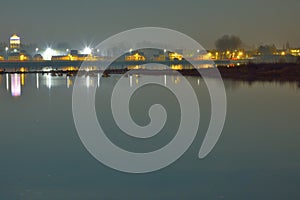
{"points": [[159, 58], [38, 57], [135, 57], [61, 58], [175, 56], [74, 56], [70, 68], [79, 57], [18, 57], [295, 52]]}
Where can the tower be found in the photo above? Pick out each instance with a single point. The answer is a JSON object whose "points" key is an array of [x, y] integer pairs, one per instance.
{"points": [[15, 43]]}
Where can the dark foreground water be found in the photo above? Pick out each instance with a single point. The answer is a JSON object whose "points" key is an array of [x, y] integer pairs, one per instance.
{"points": [[42, 157]]}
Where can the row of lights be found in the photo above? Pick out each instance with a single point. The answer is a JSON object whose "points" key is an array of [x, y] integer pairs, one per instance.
{"points": [[49, 52]]}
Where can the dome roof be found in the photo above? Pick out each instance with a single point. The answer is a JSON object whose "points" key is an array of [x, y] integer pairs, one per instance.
{"points": [[15, 36]]}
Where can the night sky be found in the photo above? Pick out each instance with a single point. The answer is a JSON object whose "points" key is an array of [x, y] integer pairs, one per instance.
{"points": [[80, 22]]}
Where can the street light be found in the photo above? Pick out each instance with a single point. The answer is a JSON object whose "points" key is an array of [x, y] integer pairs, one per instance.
{"points": [[36, 50]]}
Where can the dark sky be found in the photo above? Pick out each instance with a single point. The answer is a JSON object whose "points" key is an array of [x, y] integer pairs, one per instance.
{"points": [[78, 22]]}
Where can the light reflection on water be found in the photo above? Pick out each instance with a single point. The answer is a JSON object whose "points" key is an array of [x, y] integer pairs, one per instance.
{"points": [[257, 157], [15, 82]]}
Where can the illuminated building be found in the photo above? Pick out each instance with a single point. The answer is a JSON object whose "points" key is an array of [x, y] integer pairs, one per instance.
{"points": [[79, 57], [74, 56], [177, 67], [228, 55], [1, 58], [23, 57], [295, 52], [61, 58], [135, 57], [70, 68], [18, 57], [134, 67], [15, 43], [175, 56]]}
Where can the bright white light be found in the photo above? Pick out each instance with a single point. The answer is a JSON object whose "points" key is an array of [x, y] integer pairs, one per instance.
{"points": [[87, 50], [7, 82], [88, 81], [37, 81], [68, 82], [47, 55], [130, 80], [49, 81]]}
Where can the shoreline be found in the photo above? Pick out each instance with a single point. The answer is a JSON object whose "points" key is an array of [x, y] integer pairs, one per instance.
{"points": [[248, 72]]}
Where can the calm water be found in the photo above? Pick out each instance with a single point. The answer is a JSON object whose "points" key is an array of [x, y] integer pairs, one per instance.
{"points": [[42, 157]]}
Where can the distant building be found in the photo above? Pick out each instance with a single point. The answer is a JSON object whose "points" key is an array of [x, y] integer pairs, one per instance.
{"points": [[70, 68], [38, 57], [175, 56], [61, 58], [15, 43], [1, 58], [295, 52], [135, 57], [74, 56], [159, 57], [18, 57]]}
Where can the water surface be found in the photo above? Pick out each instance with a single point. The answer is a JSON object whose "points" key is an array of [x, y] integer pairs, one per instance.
{"points": [[42, 157]]}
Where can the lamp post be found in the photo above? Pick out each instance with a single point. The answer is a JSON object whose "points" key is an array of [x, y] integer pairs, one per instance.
{"points": [[36, 50]]}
